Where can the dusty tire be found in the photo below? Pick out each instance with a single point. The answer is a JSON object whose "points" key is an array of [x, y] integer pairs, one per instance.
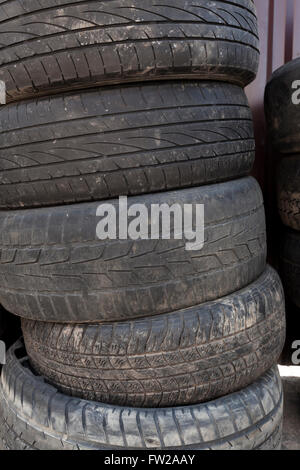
{"points": [[87, 43], [101, 144], [54, 268], [290, 265], [33, 415], [283, 116], [289, 191], [182, 358]]}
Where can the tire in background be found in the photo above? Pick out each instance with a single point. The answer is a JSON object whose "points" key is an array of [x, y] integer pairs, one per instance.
{"points": [[33, 415], [80, 44], [54, 268], [182, 358], [289, 191], [130, 140], [282, 112], [290, 265]]}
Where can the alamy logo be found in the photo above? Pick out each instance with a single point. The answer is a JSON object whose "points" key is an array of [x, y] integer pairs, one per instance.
{"points": [[2, 353], [296, 94], [160, 222], [296, 355], [2, 92]]}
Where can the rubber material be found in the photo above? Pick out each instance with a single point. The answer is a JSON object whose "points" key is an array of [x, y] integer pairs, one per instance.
{"points": [[282, 112], [49, 46], [289, 191], [54, 268], [33, 415], [182, 358], [129, 140]]}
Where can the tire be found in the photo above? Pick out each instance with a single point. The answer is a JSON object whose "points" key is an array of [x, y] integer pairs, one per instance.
{"points": [[182, 358], [86, 43], [155, 137], [283, 116], [54, 268], [33, 415], [289, 192], [290, 266]]}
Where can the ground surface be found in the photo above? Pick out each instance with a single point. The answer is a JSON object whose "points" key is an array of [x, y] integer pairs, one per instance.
{"points": [[291, 384]]}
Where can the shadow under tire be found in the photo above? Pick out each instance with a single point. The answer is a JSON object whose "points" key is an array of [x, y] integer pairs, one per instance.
{"points": [[290, 265]]}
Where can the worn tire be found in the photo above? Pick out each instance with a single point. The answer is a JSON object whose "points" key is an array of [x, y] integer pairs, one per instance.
{"points": [[289, 191], [54, 268], [132, 140], [33, 415], [182, 358], [283, 116], [63, 44], [290, 265]]}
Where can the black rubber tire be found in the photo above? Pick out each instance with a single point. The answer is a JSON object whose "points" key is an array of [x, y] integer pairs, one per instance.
{"points": [[53, 268], [289, 191], [182, 358], [100, 144], [33, 415], [283, 116], [52, 46], [290, 265]]}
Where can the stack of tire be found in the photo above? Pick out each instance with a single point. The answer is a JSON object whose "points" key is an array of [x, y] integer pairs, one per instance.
{"points": [[134, 344], [282, 103]]}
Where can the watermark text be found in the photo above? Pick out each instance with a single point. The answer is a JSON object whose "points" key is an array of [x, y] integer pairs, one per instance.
{"points": [[2, 353], [296, 354], [2, 92], [159, 222]]}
